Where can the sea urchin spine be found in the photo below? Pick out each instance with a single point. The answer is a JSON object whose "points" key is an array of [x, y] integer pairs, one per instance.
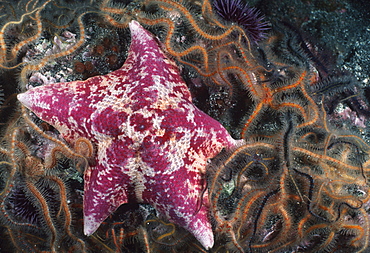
{"points": [[239, 12]]}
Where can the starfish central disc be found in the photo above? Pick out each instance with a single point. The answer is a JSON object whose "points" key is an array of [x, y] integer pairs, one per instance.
{"points": [[152, 142]]}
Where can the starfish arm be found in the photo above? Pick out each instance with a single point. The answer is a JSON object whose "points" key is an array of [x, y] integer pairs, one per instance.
{"points": [[107, 183], [63, 105], [198, 222], [179, 197], [103, 194], [150, 65], [174, 182]]}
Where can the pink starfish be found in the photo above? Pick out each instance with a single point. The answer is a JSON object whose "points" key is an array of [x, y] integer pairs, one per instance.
{"points": [[152, 142]]}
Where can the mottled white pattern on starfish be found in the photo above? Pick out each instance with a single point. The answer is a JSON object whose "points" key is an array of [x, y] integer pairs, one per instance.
{"points": [[152, 142]]}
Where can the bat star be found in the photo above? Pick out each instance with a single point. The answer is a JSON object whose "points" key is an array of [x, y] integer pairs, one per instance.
{"points": [[152, 142]]}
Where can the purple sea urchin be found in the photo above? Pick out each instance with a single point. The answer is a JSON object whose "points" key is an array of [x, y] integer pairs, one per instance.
{"points": [[247, 17]]}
